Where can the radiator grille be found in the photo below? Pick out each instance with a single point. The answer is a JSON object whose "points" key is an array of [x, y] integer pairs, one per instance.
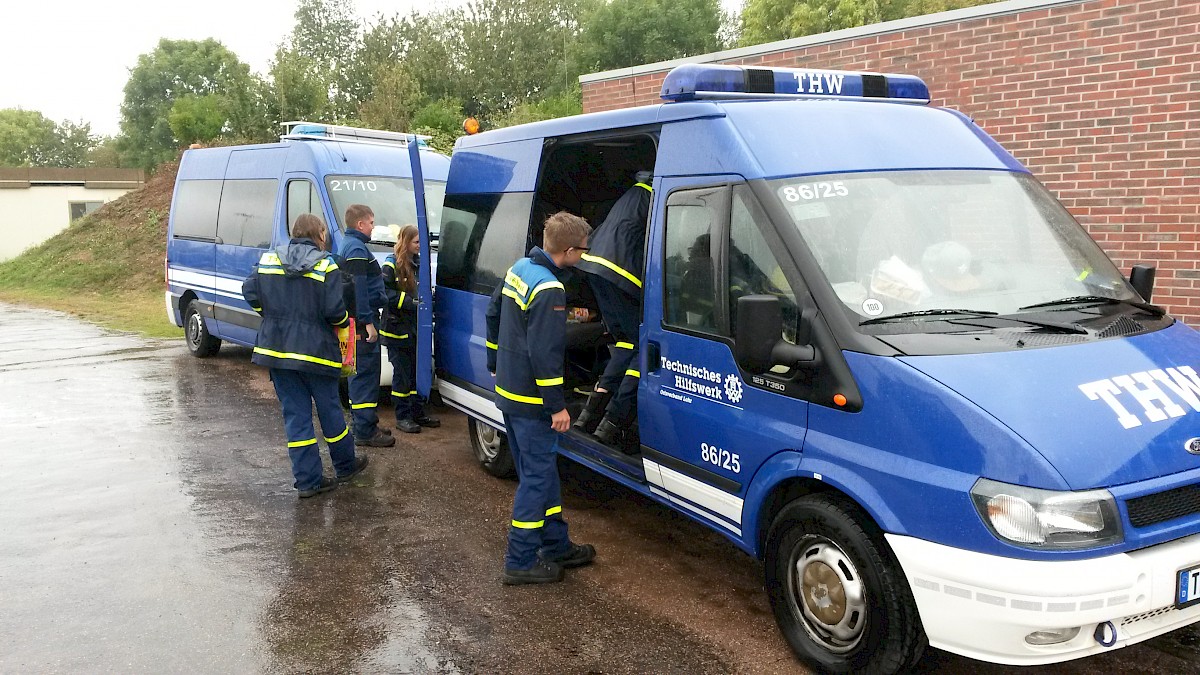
{"points": [[1163, 506]]}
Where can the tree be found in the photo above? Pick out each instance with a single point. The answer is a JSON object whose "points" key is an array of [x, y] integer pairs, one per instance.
{"points": [[176, 68], [560, 105], [769, 20], [197, 119], [28, 138], [328, 36], [623, 33], [395, 97], [297, 91]]}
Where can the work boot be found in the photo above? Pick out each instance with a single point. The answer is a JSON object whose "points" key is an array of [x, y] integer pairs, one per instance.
{"points": [[360, 463], [593, 411], [542, 572], [428, 422], [325, 485], [408, 426], [379, 440], [576, 556], [608, 432], [386, 431]]}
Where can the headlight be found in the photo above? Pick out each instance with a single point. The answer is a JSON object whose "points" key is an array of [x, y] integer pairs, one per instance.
{"points": [[1047, 519]]}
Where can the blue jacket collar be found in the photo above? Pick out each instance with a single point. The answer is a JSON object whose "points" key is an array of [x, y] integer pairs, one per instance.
{"points": [[358, 235]]}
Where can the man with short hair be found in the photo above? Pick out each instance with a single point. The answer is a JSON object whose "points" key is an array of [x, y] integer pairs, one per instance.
{"points": [[368, 298], [526, 340]]}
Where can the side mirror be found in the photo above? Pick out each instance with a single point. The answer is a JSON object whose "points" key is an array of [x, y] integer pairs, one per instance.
{"points": [[1141, 277], [759, 344]]}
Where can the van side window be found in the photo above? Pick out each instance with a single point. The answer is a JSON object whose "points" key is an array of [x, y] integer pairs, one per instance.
{"points": [[302, 197], [689, 293], [195, 209], [247, 213], [482, 235], [753, 268]]}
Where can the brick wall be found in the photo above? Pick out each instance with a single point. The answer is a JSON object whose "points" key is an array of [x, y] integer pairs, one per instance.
{"points": [[1100, 99]]}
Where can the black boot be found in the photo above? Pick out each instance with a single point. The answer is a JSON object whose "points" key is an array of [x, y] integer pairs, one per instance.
{"points": [[631, 442], [609, 433], [593, 411]]}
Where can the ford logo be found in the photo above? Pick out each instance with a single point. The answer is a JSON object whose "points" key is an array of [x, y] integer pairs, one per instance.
{"points": [[1192, 445]]}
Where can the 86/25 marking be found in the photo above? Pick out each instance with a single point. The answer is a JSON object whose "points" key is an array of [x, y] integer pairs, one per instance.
{"points": [[721, 458]]}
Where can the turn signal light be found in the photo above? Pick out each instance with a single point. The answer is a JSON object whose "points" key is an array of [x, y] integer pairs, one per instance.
{"points": [[471, 126]]}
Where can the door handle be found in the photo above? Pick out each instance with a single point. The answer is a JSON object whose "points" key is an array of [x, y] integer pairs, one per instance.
{"points": [[652, 356]]}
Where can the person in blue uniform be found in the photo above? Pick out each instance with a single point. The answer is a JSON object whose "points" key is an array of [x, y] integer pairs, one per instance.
{"points": [[368, 298], [399, 331], [614, 267], [297, 289], [526, 339]]}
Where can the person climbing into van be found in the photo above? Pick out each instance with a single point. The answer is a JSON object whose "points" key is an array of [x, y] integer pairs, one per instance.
{"points": [[614, 266], [297, 289], [368, 298], [526, 340], [399, 331]]}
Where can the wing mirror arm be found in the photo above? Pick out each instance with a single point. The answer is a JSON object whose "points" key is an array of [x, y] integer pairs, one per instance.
{"points": [[759, 345]]}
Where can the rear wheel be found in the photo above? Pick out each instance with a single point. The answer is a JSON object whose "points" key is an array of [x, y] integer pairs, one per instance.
{"points": [[838, 593], [200, 342], [491, 449]]}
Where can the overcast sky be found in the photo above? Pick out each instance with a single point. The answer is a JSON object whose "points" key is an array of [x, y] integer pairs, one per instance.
{"points": [[70, 59]]}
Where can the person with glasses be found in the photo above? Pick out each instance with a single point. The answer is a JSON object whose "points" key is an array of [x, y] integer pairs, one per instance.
{"points": [[526, 340], [615, 268]]}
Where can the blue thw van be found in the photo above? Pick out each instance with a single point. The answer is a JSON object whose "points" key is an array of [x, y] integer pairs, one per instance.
{"points": [[233, 203], [876, 354]]}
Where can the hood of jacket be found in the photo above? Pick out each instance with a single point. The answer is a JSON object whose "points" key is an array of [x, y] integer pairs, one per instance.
{"points": [[299, 257]]}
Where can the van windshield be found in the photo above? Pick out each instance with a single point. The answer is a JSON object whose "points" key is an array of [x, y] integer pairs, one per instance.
{"points": [[902, 242], [390, 198]]}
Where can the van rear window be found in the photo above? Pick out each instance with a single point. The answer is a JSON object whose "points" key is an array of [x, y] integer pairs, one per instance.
{"points": [[195, 209], [482, 236], [247, 213]]}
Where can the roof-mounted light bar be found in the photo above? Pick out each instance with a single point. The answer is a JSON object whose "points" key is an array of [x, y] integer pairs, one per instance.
{"points": [[306, 131], [706, 81]]}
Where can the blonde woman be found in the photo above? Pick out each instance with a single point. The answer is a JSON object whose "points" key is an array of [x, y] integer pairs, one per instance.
{"points": [[400, 331]]}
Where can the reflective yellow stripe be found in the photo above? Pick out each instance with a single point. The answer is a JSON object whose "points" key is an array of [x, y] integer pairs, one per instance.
{"points": [[389, 263], [549, 382], [345, 316], [271, 270], [315, 275], [511, 278], [624, 345], [339, 437], [269, 258], [360, 406], [521, 524], [634, 373], [257, 309], [491, 345], [393, 335], [553, 510], [297, 357], [326, 265], [612, 266], [540, 287], [404, 395], [400, 302], [301, 444], [516, 298], [643, 185], [517, 397]]}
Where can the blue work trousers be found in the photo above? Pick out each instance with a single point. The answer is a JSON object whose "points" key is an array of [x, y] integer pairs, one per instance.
{"points": [[537, 521], [298, 392], [364, 390], [622, 314], [408, 403]]}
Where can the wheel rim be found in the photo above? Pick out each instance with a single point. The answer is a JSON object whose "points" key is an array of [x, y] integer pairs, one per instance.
{"points": [[195, 329], [489, 440], [827, 594]]}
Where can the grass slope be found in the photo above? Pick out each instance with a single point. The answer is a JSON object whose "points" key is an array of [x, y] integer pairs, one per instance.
{"points": [[106, 267]]}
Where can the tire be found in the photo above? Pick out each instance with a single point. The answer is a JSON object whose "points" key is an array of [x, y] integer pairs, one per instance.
{"points": [[838, 593], [200, 342], [491, 449]]}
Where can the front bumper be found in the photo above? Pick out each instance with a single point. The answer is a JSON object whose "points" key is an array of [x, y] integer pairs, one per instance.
{"points": [[983, 606]]}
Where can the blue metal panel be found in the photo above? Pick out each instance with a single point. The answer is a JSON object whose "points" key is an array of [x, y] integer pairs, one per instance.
{"points": [[703, 146], [263, 161], [460, 336], [591, 122], [505, 167], [814, 137], [203, 163]]}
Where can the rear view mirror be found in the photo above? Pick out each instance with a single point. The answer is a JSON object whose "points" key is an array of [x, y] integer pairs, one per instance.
{"points": [[1141, 277], [759, 344]]}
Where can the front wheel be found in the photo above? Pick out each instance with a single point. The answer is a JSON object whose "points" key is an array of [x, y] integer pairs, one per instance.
{"points": [[491, 449], [838, 593], [200, 342]]}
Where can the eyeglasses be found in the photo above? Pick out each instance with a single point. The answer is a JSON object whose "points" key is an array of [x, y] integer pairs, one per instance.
{"points": [[585, 249]]}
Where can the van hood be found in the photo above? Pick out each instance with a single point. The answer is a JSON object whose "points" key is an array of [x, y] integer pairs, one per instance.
{"points": [[1104, 413]]}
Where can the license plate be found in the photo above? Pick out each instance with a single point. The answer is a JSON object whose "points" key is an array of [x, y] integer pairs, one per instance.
{"points": [[1187, 587]]}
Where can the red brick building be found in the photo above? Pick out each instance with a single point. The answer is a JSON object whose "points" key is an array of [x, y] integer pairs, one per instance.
{"points": [[1099, 98]]}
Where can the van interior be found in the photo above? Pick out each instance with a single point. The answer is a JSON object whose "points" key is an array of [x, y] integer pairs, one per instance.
{"points": [[586, 177]]}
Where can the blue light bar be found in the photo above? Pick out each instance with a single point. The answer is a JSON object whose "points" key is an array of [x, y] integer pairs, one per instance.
{"points": [[705, 81]]}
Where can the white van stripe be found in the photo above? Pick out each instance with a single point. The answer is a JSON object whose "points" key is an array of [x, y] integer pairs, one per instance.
{"points": [[210, 281], [700, 512], [472, 402], [698, 492]]}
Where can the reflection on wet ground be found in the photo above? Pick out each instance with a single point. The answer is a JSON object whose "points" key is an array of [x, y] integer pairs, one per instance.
{"points": [[149, 524]]}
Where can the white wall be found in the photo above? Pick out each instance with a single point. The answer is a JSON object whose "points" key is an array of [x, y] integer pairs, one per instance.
{"points": [[32, 215]]}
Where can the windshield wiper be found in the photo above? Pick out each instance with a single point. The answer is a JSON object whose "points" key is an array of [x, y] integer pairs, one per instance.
{"points": [[926, 312], [1077, 299]]}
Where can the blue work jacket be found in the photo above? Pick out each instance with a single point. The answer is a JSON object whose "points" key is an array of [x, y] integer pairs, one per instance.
{"points": [[400, 314], [618, 245], [366, 278]]}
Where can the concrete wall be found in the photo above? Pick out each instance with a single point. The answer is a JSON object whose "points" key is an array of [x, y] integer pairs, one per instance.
{"points": [[1099, 98], [31, 215]]}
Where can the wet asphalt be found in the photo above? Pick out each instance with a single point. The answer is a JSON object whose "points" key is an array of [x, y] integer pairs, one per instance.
{"points": [[148, 524]]}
